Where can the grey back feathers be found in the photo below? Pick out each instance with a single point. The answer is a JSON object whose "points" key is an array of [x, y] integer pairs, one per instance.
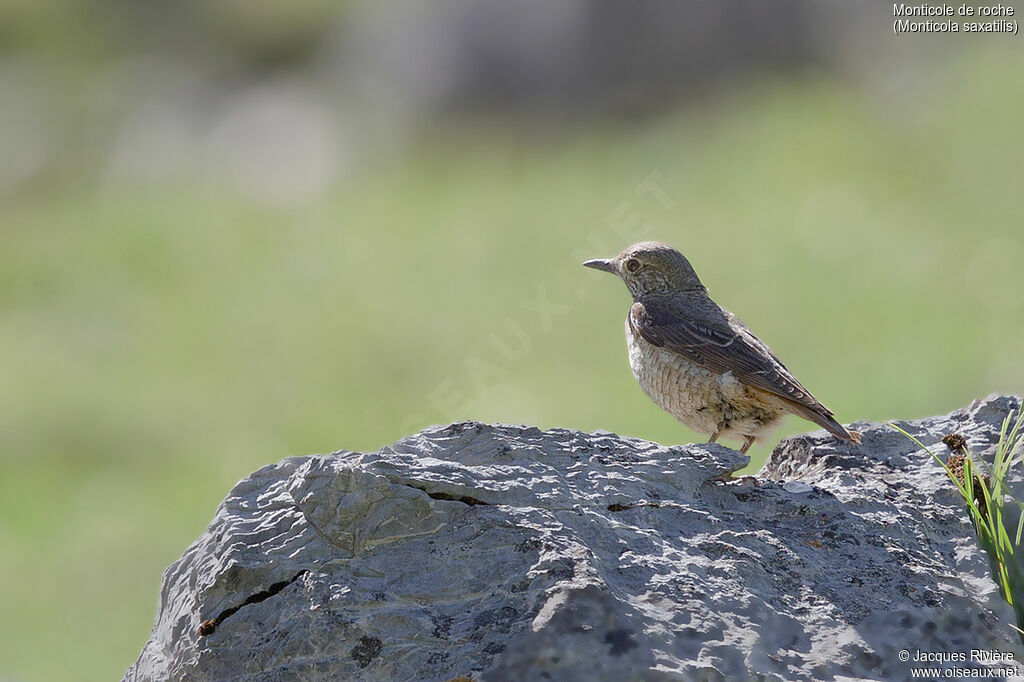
{"points": [[700, 330]]}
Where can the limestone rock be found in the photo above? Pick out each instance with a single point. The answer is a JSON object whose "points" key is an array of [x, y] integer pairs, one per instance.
{"points": [[510, 553]]}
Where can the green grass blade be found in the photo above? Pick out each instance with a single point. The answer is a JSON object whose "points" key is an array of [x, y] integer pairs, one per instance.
{"points": [[976, 516]]}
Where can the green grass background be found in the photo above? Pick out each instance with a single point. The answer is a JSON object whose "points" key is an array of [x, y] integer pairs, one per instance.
{"points": [[160, 341]]}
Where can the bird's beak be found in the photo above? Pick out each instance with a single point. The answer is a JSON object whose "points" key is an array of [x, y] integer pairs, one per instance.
{"points": [[606, 264]]}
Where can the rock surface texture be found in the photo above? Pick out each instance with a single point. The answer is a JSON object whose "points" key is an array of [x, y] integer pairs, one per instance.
{"points": [[510, 553]]}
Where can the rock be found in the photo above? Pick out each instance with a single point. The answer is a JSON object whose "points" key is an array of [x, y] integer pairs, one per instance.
{"points": [[797, 487], [510, 553]]}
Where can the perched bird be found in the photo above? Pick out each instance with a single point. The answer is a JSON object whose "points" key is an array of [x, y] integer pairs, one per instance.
{"points": [[698, 361]]}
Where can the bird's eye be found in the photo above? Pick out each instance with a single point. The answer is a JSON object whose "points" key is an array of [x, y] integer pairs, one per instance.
{"points": [[632, 265]]}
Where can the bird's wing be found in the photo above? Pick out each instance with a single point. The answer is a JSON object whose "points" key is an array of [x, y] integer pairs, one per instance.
{"points": [[722, 344]]}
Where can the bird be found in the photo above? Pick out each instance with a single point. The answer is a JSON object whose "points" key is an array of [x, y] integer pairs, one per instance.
{"points": [[698, 361]]}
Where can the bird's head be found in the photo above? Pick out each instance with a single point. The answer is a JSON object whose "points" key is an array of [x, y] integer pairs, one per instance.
{"points": [[650, 267]]}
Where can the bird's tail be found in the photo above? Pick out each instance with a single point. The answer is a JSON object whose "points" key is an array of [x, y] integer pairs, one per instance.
{"points": [[825, 420]]}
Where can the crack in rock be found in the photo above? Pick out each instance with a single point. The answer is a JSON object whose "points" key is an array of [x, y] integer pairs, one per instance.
{"points": [[208, 627]]}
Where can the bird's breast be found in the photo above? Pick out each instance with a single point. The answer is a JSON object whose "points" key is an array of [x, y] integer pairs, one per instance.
{"points": [[705, 400], [684, 389]]}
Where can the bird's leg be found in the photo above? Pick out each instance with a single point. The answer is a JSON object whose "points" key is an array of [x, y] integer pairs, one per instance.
{"points": [[714, 436], [747, 479], [747, 443]]}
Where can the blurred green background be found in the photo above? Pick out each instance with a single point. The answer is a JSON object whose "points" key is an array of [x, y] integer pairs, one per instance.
{"points": [[226, 245]]}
